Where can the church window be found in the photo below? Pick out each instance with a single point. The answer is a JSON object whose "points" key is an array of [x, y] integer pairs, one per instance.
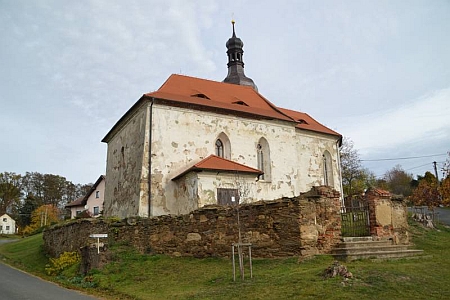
{"points": [[327, 169], [223, 146], [219, 148], [263, 159], [260, 159]]}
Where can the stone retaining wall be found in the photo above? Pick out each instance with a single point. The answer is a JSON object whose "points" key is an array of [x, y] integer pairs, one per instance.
{"points": [[306, 225]]}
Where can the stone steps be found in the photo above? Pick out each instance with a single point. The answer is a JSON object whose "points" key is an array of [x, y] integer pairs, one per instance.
{"points": [[366, 247]]}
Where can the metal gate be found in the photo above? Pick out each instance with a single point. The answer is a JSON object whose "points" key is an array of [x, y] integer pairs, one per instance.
{"points": [[355, 221]]}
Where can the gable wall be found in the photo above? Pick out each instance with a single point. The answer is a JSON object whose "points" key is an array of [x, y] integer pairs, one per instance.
{"points": [[7, 221], [92, 201], [124, 169]]}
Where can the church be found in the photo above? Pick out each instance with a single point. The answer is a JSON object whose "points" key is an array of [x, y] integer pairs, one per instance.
{"points": [[196, 142]]}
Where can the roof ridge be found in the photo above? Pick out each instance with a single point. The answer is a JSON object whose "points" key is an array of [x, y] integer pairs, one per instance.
{"points": [[225, 159]]}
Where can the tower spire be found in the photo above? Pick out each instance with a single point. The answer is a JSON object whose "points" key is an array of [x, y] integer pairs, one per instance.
{"points": [[235, 64], [234, 33]]}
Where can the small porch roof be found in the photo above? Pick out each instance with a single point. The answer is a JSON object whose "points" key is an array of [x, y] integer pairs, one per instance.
{"points": [[219, 164]]}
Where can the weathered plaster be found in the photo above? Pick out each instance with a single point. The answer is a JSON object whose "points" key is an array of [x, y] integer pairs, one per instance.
{"points": [[383, 212], [182, 137], [124, 168]]}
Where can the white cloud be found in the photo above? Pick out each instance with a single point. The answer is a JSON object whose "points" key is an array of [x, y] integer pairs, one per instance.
{"points": [[423, 119]]}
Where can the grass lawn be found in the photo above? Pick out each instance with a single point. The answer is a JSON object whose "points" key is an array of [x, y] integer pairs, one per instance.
{"points": [[135, 276], [25, 254]]}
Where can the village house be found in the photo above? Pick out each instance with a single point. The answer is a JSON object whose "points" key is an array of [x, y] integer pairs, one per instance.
{"points": [[196, 142], [7, 225], [91, 203]]}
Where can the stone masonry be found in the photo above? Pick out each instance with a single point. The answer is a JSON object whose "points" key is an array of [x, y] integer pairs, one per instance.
{"points": [[387, 216], [306, 225]]}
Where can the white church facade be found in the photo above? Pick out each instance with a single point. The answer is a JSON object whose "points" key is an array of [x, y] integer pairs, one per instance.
{"points": [[196, 142]]}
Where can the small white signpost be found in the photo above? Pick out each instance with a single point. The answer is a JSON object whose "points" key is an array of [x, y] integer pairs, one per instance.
{"points": [[98, 236]]}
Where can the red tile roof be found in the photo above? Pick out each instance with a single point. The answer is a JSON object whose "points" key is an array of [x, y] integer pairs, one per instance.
{"points": [[306, 122], [83, 200], [228, 98], [379, 192], [77, 202], [216, 163], [216, 94]]}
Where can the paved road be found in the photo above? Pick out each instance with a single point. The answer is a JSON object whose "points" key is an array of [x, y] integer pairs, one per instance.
{"points": [[4, 241], [443, 214], [17, 285]]}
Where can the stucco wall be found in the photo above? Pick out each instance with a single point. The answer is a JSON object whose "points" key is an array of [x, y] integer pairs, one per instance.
{"points": [[182, 137], [93, 201], [388, 216], [124, 168], [8, 225]]}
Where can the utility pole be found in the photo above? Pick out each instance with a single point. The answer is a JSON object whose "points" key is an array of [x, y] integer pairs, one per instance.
{"points": [[435, 171]]}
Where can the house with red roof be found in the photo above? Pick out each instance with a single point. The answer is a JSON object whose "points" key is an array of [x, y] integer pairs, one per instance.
{"points": [[196, 142]]}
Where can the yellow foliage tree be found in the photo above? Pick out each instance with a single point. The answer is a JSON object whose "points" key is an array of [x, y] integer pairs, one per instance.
{"points": [[445, 191], [42, 216]]}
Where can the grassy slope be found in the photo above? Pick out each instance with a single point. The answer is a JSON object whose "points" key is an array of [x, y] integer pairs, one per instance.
{"points": [[26, 254], [161, 277]]}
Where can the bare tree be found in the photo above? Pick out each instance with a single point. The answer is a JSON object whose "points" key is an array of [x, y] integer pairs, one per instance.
{"points": [[244, 190]]}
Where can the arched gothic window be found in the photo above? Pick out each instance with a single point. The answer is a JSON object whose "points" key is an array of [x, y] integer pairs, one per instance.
{"points": [[263, 158], [219, 148], [223, 146], [260, 154], [327, 169]]}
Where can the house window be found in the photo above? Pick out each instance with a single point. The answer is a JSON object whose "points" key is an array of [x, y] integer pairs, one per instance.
{"points": [[7, 228], [5, 220], [1, 227], [219, 148], [97, 194], [96, 210], [327, 169], [263, 159], [78, 212]]}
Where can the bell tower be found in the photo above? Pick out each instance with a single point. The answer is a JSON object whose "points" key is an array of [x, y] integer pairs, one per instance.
{"points": [[235, 64]]}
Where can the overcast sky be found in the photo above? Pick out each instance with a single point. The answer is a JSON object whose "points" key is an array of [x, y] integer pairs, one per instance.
{"points": [[377, 72]]}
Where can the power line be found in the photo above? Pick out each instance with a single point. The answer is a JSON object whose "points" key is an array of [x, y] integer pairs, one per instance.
{"points": [[427, 164], [403, 158], [409, 169]]}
